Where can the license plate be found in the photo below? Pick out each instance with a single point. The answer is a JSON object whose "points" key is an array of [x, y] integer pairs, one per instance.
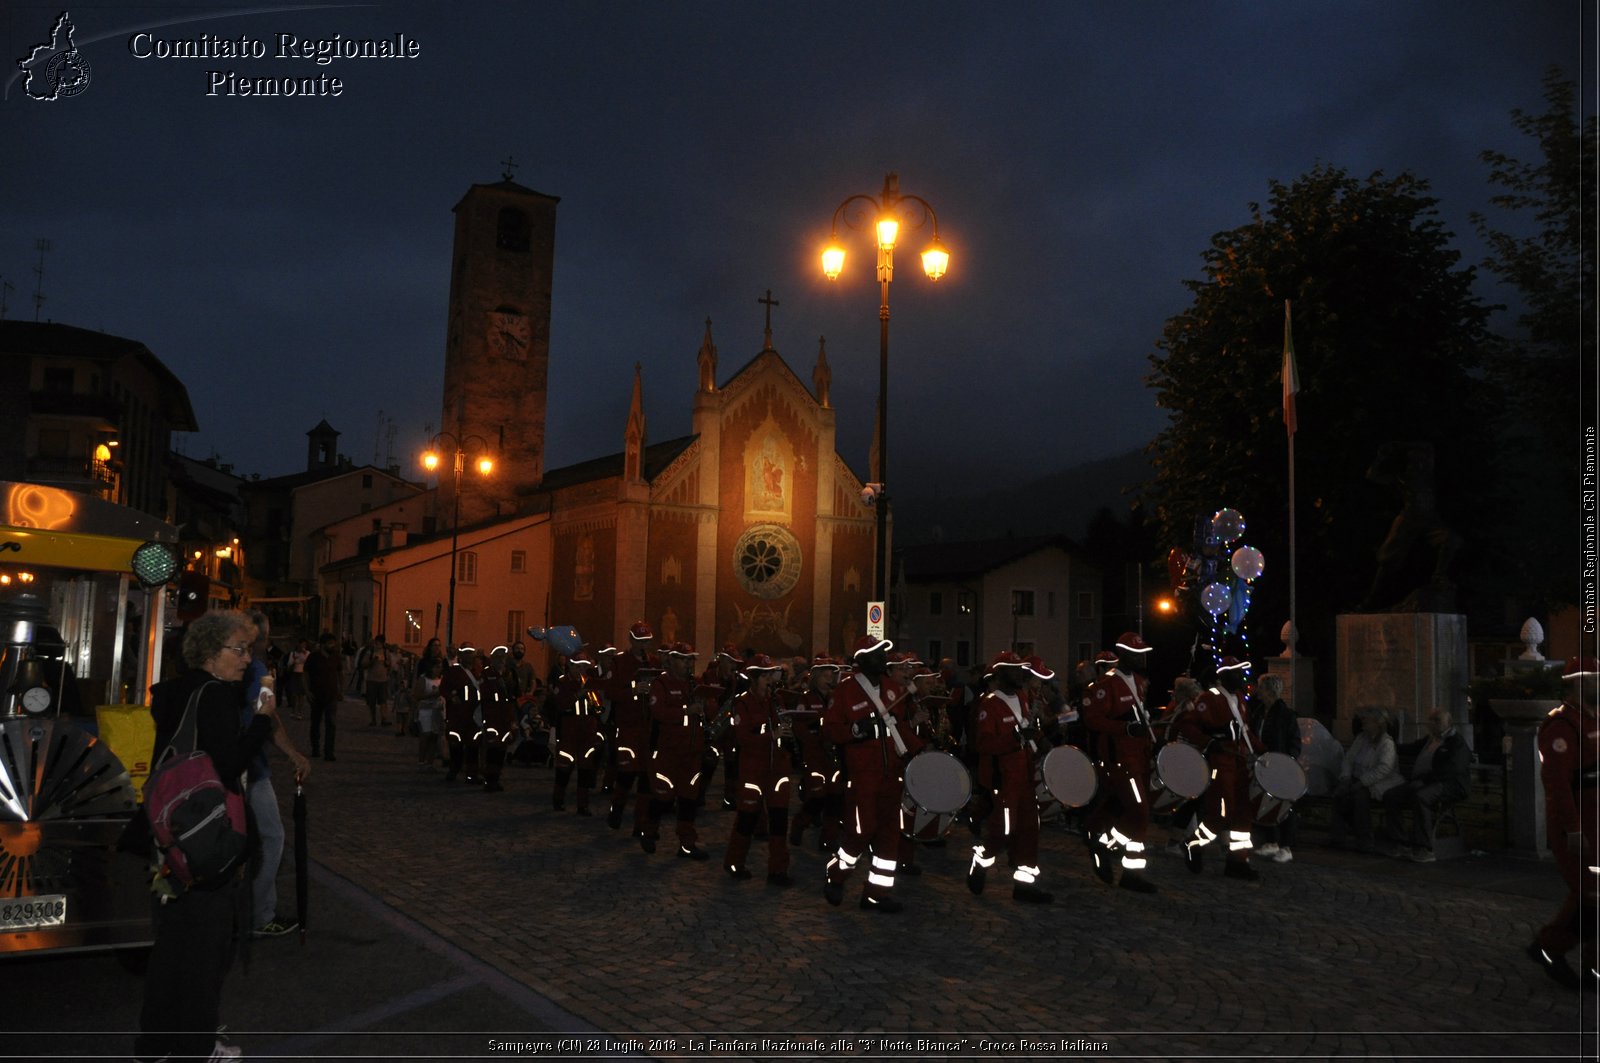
{"points": [[30, 913]]}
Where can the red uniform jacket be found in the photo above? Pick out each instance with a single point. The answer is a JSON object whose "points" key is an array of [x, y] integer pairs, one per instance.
{"points": [[762, 759], [1569, 750], [680, 728], [873, 757], [1004, 758], [1211, 723], [1109, 705]]}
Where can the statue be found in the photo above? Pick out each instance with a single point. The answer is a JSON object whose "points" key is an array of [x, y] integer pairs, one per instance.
{"points": [[1414, 560]]}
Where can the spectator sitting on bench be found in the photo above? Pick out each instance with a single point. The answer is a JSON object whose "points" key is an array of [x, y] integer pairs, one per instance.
{"points": [[1440, 776], [1369, 770]]}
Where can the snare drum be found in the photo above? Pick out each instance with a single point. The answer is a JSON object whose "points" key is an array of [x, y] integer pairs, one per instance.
{"points": [[1066, 775], [1276, 783], [937, 787], [1181, 774]]}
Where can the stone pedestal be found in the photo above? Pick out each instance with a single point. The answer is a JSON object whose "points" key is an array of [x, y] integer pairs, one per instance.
{"points": [[1407, 663], [1299, 687], [1524, 784]]}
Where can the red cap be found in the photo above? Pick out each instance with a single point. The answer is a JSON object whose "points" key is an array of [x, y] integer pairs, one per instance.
{"points": [[866, 644], [1232, 664], [1006, 659], [1133, 643], [822, 660], [1035, 664], [1581, 668], [582, 657], [730, 651], [760, 662], [641, 630], [679, 649], [1105, 657]]}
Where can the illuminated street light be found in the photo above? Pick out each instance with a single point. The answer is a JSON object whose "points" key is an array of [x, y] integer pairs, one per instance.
{"points": [[459, 451], [887, 215]]}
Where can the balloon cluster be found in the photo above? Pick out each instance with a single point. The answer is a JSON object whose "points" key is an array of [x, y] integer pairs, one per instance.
{"points": [[1219, 581]]}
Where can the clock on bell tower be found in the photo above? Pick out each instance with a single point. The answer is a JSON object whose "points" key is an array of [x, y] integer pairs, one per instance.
{"points": [[497, 347]]}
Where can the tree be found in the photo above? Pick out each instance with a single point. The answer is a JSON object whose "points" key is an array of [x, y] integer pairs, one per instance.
{"points": [[1551, 265], [1387, 334]]}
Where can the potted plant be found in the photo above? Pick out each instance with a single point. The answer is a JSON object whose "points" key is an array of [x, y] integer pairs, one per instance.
{"points": [[1524, 694]]}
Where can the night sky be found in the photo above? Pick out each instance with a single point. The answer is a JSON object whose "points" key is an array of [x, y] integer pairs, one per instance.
{"points": [[288, 258]]}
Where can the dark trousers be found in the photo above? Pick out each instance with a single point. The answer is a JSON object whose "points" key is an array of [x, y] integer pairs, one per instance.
{"points": [[194, 943], [324, 725], [1425, 801]]}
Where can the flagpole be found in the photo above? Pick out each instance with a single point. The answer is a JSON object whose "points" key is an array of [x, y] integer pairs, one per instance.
{"points": [[1291, 385]]}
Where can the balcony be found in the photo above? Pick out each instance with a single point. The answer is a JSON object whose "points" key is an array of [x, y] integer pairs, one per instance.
{"points": [[102, 408]]}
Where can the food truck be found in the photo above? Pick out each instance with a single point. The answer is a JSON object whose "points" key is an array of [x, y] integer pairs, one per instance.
{"points": [[83, 603]]}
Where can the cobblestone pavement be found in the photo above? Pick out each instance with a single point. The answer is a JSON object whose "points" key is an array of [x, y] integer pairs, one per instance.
{"points": [[452, 923], [1333, 954]]}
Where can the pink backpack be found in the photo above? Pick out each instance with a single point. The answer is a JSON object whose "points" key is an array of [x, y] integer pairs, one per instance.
{"points": [[196, 821]]}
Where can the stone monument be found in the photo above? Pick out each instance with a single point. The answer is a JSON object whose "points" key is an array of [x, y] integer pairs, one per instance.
{"points": [[1407, 663]]}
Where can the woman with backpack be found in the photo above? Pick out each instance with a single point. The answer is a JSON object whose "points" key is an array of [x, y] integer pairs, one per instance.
{"points": [[195, 921]]}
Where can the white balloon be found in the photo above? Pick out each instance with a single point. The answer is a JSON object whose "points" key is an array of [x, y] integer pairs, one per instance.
{"points": [[1248, 564], [1215, 598], [1227, 525]]}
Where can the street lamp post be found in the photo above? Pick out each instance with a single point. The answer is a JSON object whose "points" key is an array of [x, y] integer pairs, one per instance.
{"points": [[431, 460], [886, 214]]}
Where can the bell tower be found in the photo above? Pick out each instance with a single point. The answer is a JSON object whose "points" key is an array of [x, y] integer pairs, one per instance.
{"points": [[497, 347]]}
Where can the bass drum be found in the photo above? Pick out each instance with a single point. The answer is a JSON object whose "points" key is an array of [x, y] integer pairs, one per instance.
{"points": [[937, 788], [1066, 776], [1276, 783], [1181, 774]]}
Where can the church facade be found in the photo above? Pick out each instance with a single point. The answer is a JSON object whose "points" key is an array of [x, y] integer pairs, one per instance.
{"points": [[749, 531]]}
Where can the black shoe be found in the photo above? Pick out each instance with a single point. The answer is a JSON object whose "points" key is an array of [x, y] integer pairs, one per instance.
{"points": [[910, 869], [1192, 858], [583, 810], [1242, 871], [1026, 891], [975, 876], [1556, 967], [693, 852], [1136, 883], [471, 778], [887, 905], [614, 819], [779, 878], [739, 873], [647, 843], [493, 788], [833, 893], [1105, 864]]}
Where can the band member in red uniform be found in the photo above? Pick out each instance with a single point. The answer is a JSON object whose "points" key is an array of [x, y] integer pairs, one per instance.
{"points": [[1119, 734], [605, 663], [1569, 764], [766, 772], [631, 677], [462, 713], [821, 777], [678, 715], [1007, 742], [721, 743], [498, 709], [578, 737], [866, 719], [1217, 725]]}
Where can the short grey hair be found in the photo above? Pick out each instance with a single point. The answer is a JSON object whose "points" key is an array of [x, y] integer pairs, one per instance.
{"points": [[212, 631], [1381, 715], [1271, 686]]}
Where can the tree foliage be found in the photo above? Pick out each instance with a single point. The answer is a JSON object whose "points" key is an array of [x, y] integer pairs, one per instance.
{"points": [[1550, 262], [1387, 334]]}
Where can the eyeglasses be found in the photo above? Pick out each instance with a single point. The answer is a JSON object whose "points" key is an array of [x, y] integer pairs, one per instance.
{"points": [[243, 649]]}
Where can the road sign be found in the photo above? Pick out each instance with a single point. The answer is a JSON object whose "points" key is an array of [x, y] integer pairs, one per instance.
{"points": [[875, 619]]}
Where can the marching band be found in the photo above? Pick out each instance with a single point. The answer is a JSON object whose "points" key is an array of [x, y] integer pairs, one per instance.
{"points": [[888, 754]]}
